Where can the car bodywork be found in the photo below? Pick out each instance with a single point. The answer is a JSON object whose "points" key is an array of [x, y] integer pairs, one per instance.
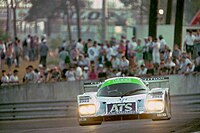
{"points": [[123, 98]]}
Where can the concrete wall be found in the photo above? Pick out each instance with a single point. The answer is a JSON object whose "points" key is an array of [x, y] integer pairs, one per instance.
{"points": [[67, 91], [59, 91]]}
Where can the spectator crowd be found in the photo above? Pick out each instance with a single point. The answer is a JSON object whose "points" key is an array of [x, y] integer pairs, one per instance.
{"points": [[91, 60]]}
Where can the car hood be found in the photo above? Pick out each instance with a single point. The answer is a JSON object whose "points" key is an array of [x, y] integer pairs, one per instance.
{"points": [[124, 99]]}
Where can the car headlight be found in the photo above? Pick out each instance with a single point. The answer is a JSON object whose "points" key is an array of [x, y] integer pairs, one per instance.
{"points": [[155, 105], [87, 109]]}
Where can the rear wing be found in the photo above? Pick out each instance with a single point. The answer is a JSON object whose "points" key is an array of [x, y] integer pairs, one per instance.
{"points": [[91, 86], [157, 81]]}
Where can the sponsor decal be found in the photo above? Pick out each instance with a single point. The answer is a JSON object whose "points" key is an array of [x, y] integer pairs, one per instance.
{"points": [[84, 99], [156, 96], [121, 108]]}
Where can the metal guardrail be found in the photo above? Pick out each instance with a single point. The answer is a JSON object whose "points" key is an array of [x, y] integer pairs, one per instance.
{"points": [[29, 110]]}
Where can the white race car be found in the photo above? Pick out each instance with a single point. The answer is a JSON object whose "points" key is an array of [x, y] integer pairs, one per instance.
{"points": [[123, 98]]}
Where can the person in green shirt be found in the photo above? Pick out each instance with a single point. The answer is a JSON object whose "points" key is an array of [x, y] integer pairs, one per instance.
{"points": [[139, 52], [62, 57]]}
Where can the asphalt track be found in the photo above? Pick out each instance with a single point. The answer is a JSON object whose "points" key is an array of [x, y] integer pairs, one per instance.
{"points": [[185, 119]]}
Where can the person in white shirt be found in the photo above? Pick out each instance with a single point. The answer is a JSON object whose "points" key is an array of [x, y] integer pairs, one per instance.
{"points": [[183, 64], [124, 63], [78, 72], [85, 73], [115, 62], [33, 76], [92, 53], [189, 44], [156, 52], [86, 60], [143, 70], [132, 46], [169, 64], [79, 46], [109, 52], [115, 49], [4, 79], [163, 43], [70, 74], [14, 77], [189, 68]]}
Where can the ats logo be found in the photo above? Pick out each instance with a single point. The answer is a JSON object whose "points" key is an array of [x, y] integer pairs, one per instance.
{"points": [[121, 108]]}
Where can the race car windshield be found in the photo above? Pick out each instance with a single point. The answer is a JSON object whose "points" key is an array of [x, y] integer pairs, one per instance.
{"points": [[122, 89]]}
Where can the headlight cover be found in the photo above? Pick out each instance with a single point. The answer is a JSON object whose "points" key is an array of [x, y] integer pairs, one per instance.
{"points": [[89, 109], [155, 105]]}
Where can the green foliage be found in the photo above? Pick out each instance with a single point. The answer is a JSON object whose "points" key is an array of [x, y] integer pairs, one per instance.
{"points": [[55, 42], [3, 35], [111, 5], [89, 4], [49, 8], [136, 3]]}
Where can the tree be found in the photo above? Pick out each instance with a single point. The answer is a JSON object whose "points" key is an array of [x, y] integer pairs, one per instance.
{"points": [[47, 8], [55, 8], [153, 18], [169, 12], [178, 23]]}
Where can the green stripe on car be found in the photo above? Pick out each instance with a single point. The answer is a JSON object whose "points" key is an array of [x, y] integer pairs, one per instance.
{"points": [[122, 80]]}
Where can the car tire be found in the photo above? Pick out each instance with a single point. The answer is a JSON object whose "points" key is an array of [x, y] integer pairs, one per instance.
{"points": [[89, 122], [85, 123]]}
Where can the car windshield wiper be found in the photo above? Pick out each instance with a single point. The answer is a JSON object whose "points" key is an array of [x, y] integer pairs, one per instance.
{"points": [[131, 92]]}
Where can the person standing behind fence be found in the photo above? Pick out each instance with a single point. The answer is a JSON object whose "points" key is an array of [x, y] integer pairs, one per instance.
{"points": [[156, 53], [26, 45], [79, 46], [197, 43], [17, 52], [44, 49], [14, 77], [197, 37], [149, 52], [70, 74], [4, 78], [2, 53], [9, 57], [197, 63], [139, 53], [163, 43], [189, 44], [63, 54], [176, 52]]}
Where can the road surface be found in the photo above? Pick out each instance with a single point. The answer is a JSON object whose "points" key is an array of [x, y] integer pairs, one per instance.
{"points": [[185, 119]]}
